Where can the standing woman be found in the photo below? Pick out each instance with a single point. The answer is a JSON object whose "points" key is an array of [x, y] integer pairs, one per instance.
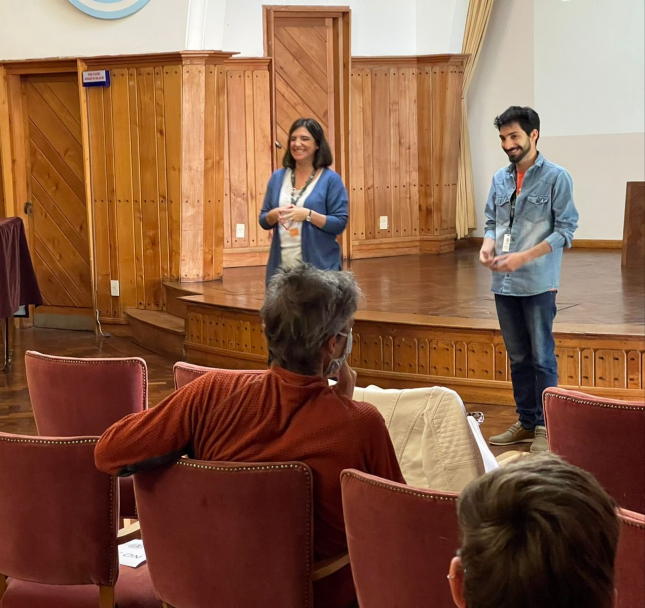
{"points": [[305, 203]]}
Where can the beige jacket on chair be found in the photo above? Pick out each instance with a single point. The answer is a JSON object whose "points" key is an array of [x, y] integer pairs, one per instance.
{"points": [[431, 435]]}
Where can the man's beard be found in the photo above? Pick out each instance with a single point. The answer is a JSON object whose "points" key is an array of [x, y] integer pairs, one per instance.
{"points": [[521, 155]]}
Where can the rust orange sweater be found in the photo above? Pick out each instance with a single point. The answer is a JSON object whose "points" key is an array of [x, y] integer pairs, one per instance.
{"points": [[266, 416]]}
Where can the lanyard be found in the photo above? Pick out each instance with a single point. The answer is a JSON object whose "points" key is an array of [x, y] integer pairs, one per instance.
{"points": [[294, 198], [512, 215]]}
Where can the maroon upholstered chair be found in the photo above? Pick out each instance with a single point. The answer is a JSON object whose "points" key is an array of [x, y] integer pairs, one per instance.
{"points": [[238, 533], [630, 560], [187, 372], [400, 540], [58, 529], [86, 396], [603, 436]]}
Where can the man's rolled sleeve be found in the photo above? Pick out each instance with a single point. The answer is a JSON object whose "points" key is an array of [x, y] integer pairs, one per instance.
{"points": [[565, 214], [491, 220]]}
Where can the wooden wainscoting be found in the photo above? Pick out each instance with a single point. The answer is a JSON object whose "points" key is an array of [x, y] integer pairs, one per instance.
{"points": [[401, 350], [248, 160], [404, 149]]}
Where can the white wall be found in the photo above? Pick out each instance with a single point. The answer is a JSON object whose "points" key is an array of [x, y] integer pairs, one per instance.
{"points": [[440, 26], [54, 28], [592, 52], [379, 27], [584, 81], [504, 77]]}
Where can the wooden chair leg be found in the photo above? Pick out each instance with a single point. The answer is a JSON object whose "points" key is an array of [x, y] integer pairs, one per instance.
{"points": [[106, 597], [3, 585]]}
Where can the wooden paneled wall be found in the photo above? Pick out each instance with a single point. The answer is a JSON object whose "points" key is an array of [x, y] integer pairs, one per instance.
{"points": [[405, 124], [135, 140], [156, 141], [248, 161], [404, 149]]}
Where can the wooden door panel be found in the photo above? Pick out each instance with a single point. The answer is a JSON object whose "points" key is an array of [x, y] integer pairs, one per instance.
{"points": [[61, 239], [304, 76]]}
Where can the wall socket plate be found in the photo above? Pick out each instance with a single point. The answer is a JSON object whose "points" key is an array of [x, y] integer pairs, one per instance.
{"points": [[239, 231], [114, 288], [383, 222]]}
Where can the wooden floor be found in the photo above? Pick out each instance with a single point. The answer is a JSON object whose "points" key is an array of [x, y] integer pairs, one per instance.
{"points": [[594, 290], [15, 408]]}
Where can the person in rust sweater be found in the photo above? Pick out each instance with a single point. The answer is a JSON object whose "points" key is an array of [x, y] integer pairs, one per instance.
{"points": [[287, 413]]}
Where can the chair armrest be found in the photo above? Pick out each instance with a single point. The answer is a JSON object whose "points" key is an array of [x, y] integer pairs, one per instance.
{"points": [[329, 566], [129, 533]]}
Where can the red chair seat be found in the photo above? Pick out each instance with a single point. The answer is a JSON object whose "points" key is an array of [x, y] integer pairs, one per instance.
{"points": [[133, 590]]}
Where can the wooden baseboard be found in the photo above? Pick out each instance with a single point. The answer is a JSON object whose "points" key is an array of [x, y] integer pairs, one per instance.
{"points": [[597, 244]]}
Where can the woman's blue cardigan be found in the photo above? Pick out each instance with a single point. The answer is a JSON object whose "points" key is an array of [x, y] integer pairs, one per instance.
{"points": [[319, 245]]}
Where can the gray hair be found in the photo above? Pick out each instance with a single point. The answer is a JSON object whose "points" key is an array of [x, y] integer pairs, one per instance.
{"points": [[303, 308]]}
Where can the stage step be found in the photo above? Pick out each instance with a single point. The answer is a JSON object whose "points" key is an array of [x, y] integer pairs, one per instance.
{"points": [[160, 332], [174, 291]]}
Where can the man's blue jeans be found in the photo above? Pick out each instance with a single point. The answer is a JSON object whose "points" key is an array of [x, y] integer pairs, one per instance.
{"points": [[527, 328]]}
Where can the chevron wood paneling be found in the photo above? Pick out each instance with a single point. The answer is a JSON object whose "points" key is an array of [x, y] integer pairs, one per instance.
{"points": [[304, 80], [61, 240]]}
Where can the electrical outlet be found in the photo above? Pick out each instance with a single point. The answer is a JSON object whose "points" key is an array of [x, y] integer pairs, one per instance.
{"points": [[114, 288], [239, 231], [383, 222]]}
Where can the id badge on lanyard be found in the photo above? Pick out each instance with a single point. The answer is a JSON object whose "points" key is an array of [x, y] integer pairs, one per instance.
{"points": [[506, 245]]}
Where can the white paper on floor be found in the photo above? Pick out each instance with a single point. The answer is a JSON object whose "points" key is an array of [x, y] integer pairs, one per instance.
{"points": [[132, 554]]}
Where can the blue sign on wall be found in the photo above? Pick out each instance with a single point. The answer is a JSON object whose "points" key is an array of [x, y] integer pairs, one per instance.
{"points": [[109, 9]]}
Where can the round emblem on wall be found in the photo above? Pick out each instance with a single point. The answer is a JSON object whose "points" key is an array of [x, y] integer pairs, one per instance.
{"points": [[109, 9]]}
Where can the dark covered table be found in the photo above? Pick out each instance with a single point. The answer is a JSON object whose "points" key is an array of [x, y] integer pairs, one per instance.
{"points": [[18, 284]]}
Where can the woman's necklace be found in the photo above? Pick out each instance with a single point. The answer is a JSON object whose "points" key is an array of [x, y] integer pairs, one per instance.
{"points": [[297, 194]]}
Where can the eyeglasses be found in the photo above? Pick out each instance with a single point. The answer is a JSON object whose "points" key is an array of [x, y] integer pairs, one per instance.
{"points": [[478, 416]]}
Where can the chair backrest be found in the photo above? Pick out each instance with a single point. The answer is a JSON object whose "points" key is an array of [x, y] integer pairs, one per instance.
{"points": [[630, 560], [240, 533], [603, 436], [187, 372], [58, 513], [400, 540], [84, 396], [431, 436]]}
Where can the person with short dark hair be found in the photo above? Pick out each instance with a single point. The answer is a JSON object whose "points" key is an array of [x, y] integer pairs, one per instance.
{"points": [[287, 413], [530, 217], [537, 533], [305, 205]]}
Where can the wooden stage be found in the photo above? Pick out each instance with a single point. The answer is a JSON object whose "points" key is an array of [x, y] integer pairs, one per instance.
{"points": [[431, 320]]}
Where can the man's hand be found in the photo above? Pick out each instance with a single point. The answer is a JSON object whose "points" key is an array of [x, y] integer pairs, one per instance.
{"points": [[346, 381], [509, 262], [487, 252]]}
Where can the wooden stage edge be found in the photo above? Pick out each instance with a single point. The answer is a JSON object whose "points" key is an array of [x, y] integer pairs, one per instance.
{"points": [[403, 350]]}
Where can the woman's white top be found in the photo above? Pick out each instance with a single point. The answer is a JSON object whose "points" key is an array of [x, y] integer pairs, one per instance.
{"points": [[291, 235]]}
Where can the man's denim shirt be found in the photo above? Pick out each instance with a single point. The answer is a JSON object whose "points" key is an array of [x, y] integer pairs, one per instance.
{"points": [[543, 210]]}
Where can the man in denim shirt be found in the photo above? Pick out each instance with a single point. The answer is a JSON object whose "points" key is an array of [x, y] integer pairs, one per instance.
{"points": [[530, 217]]}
